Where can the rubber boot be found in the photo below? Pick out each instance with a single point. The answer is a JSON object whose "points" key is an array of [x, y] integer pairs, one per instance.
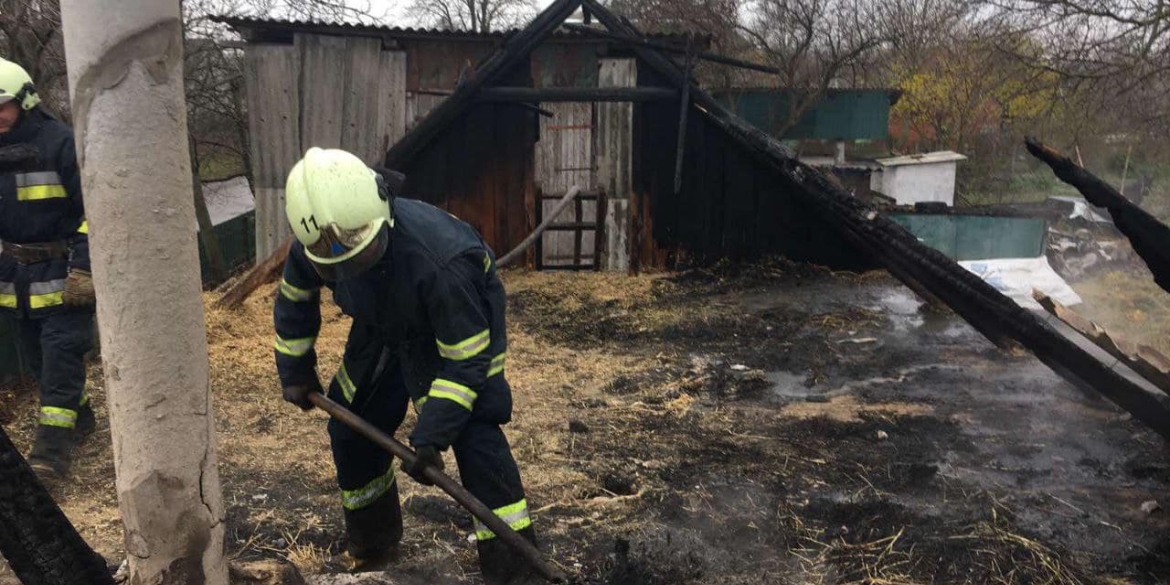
{"points": [[501, 565], [86, 422], [51, 454], [373, 534]]}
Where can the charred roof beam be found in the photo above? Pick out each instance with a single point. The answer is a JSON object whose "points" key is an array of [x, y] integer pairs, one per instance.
{"points": [[576, 94], [1150, 237]]}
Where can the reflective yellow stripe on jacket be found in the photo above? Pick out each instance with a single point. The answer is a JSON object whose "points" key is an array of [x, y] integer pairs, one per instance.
{"points": [[453, 391], [8, 295], [37, 186], [497, 365], [296, 294], [466, 349], [347, 388], [46, 294]]}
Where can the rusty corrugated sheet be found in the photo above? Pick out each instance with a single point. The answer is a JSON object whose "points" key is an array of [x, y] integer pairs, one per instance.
{"points": [[251, 25]]}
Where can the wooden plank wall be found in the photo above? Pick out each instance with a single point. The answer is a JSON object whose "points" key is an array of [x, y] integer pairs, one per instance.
{"points": [[730, 205], [418, 105], [564, 158], [614, 143], [331, 92]]}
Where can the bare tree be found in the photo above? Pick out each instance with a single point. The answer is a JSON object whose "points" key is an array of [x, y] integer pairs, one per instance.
{"points": [[1113, 57], [714, 21], [30, 35], [474, 15], [815, 43], [1094, 38]]}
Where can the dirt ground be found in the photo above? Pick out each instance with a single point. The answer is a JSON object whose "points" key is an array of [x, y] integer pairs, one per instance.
{"points": [[765, 424]]}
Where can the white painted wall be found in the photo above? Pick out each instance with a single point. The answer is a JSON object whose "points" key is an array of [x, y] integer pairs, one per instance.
{"points": [[911, 184]]}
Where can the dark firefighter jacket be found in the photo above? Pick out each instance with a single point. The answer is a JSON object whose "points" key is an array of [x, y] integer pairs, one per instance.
{"points": [[41, 203], [433, 306]]}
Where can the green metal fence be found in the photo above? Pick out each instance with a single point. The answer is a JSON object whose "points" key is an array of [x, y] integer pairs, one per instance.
{"points": [[976, 237], [841, 114], [237, 243]]}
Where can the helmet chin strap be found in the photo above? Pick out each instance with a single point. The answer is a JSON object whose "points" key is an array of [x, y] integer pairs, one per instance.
{"points": [[25, 90], [385, 193]]}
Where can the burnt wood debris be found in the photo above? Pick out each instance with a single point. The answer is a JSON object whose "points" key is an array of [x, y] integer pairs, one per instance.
{"points": [[40, 544], [1150, 238]]}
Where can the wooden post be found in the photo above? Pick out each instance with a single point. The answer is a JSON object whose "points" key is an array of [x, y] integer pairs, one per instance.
{"points": [[684, 107], [538, 262], [126, 75], [1125, 169], [599, 228], [615, 126], [579, 233]]}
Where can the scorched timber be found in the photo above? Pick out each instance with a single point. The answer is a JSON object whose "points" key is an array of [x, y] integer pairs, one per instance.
{"points": [[575, 94], [1150, 237]]}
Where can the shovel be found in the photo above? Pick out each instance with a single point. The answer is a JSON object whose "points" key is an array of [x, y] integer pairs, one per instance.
{"points": [[440, 479]]}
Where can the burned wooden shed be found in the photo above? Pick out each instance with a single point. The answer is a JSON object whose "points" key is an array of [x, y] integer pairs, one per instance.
{"points": [[809, 216], [700, 181], [363, 87], [570, 107]]}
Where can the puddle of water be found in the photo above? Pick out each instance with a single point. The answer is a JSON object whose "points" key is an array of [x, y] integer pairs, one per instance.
{"points": [[902, 308]]}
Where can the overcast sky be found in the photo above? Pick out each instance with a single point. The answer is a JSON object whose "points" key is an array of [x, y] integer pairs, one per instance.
{"points": [[398, 13]]}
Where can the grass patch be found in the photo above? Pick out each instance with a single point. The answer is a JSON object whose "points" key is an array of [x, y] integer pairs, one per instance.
{"points": [[1128, 303], [218, 165]]}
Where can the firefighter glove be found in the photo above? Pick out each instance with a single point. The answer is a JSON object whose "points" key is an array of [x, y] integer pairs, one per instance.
{"points": [[298, 394], [425, 456], [79, 289]]}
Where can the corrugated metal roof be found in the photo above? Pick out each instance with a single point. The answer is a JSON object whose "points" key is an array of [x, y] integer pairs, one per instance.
{"points": [[941, 156], [248, 24]]}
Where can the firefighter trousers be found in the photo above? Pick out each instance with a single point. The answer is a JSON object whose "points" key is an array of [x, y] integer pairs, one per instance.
{"points": [[366, 475], [54, 347]]}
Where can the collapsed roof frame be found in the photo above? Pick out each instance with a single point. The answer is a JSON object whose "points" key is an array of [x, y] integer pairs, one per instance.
{"points": [[923, 269]]}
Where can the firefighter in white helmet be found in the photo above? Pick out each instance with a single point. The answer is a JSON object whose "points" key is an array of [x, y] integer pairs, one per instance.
{"points": [[45, 288], [428, 330]]}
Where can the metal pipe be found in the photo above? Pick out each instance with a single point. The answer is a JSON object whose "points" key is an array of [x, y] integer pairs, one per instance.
{"points": [[477, 508]]}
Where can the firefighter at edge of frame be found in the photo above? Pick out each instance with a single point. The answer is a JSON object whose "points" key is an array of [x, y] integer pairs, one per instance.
{"points": [[46, 292], [428, 330]]}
